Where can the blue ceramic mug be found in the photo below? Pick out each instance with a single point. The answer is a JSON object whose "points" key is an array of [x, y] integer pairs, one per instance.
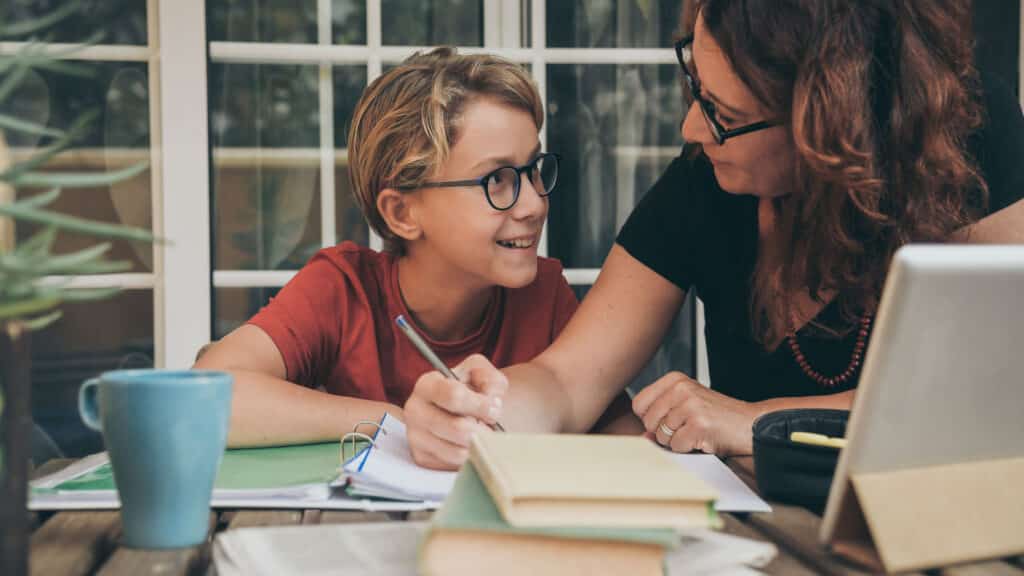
{"points": [[165, 432]]}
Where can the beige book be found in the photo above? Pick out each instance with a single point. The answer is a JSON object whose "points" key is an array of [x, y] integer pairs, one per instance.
{"points": [[589, 480], [468, 536]]}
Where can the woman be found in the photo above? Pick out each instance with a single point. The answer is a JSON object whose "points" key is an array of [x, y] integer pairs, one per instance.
{"points": [[824, 134]]}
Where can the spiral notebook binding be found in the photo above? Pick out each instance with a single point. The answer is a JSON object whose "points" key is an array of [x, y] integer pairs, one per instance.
{"points": [[356, 435]]}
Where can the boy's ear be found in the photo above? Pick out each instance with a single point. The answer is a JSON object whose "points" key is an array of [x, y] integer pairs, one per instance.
{"points": [[399, 213]]}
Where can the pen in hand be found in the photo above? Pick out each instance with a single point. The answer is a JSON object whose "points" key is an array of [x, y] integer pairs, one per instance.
{"points": [[429, 355]]}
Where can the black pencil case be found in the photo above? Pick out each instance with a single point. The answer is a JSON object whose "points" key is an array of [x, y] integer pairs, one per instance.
{"points": [[793, 472]]}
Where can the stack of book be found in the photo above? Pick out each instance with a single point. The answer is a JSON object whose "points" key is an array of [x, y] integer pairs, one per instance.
{"points": [[564, 504]]}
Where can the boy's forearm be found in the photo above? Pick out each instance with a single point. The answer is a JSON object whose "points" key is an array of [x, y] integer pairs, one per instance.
{"points": [[267, 411]]}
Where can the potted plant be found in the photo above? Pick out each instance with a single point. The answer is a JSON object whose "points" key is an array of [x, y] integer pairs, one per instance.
{"points": [[27, 301]]}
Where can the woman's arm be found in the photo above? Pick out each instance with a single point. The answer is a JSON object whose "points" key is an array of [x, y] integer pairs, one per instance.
{"points": [[266, 409], [566, 388]]}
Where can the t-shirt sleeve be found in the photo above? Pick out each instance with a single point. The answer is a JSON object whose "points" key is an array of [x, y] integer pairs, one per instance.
{"points": [[1000, 145], [661, 232], [304, 320]]}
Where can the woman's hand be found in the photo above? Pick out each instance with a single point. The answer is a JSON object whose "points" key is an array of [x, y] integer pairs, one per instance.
{"points": [[442, 415], [684, 415]]}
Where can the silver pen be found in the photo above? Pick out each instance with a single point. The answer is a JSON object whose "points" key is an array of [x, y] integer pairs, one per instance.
{"points": [[430, 356]]}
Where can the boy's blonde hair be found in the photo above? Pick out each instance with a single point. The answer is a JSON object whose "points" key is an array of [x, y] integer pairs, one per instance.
{"points": [[407, 120]]}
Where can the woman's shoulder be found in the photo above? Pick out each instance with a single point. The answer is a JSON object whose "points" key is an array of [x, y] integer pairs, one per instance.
{"points": [[998, 144]]}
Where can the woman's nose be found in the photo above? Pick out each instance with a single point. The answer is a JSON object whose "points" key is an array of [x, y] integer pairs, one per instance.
{"points": [[694, 129]]}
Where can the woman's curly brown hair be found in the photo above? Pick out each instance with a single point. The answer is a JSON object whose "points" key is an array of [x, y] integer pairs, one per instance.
{"points": [[880, 97]]}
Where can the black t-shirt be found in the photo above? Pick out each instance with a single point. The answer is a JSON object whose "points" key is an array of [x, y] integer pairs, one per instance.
{"points": [[694, 234]]}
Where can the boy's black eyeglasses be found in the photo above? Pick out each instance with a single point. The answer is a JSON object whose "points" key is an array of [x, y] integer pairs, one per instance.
{"points": [[685, 56], [501, 185]]}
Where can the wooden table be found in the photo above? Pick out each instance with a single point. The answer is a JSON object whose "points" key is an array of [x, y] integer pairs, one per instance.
{"points": [[87, 542]]}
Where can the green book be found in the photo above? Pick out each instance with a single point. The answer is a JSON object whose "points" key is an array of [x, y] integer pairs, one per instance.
{"points": [[468, 532]]}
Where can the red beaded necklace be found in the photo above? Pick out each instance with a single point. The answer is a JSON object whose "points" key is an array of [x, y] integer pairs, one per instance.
{"points": [[855, 360]]}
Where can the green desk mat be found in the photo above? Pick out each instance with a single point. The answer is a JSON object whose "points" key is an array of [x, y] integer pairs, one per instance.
{"points": [[249, 468]]}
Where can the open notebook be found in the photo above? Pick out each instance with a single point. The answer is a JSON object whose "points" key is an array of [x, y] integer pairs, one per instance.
{"points": [[386, 470], [276, 477]]}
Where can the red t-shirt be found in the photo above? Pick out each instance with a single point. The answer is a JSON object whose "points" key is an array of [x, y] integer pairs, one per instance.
{"points": [[334, 324]]}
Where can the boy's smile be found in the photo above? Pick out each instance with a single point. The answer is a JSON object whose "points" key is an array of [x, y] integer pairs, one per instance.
{"points": [[519, 243]]}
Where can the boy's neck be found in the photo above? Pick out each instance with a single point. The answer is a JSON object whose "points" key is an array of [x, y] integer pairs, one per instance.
{"points": [[446, 310]]}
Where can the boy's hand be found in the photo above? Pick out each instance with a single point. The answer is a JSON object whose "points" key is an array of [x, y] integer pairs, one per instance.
{"points": [[442, 415]]}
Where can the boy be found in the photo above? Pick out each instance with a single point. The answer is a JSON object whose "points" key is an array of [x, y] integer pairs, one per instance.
{"points": [[445, 162]]}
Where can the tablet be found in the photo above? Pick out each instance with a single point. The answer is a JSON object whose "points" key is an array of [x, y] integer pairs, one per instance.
{"points": [[943, 377]]}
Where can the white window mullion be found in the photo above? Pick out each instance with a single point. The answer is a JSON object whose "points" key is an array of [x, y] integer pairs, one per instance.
{"points": [[703, 368], [252, 278], [185, 181], [538, 41], [125, 281], [374, 68], [328, 226], [492, 23], [102, 53], [156, 185]]}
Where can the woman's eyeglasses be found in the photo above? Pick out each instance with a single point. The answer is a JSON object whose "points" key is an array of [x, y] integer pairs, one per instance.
{"points": [[720, 133], [501, 185]]}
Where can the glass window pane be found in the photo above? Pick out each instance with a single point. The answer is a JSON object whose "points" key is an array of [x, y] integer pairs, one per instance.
{"points": [[349, 82], [118, 136], [265, 129], [122, 21], [612, 23], [91, 337], [234, 306], [348, 21], [348, 218], [616, 127], [429, 23], [678, 349], [292, 21]]}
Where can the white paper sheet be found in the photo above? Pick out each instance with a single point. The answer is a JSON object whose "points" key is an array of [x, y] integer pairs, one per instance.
{"points": [[733, 494], [390, 548]]}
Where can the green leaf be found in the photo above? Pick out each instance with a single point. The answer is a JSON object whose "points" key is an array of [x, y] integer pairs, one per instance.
{"points": [[24, 127], [92, 268], [43, 22], [78, 179], [39, 244], [88, 294], [89, 254], [74, 224], [40, 200], [41, 55], [44, 61], [13, 79], [23, 308], [42, 321], [40, 158]]}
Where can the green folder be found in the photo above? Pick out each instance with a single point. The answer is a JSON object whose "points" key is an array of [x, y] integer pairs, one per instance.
{"points": [[248, 468]]}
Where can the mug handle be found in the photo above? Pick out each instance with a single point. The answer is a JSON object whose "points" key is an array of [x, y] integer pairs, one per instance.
{"points": [[87, 406]]}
